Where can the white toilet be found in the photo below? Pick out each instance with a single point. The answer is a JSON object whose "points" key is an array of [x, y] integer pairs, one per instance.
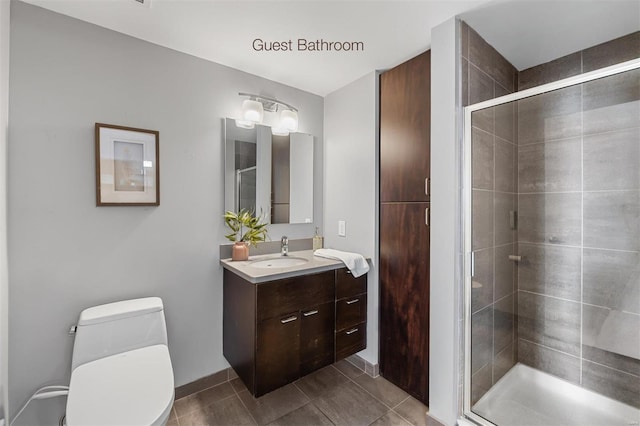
{"points": [[121, 371]]}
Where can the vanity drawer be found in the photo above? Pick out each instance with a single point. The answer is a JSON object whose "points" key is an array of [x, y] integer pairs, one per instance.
{"points": [[278, 297], [347, 285], [351, 311], [351, 340]]}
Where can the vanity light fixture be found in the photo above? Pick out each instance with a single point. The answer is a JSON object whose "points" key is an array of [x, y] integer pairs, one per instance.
{"points": [[253, 113]]}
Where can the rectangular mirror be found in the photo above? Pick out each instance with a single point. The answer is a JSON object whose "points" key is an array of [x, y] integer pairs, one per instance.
{"points": [[269, 174]]}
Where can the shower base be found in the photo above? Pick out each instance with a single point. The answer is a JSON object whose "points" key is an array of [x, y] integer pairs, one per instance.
{"points": [[526, 396]]}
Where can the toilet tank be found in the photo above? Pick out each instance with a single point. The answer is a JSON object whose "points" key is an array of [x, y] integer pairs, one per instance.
{"points": [[118, 327]]}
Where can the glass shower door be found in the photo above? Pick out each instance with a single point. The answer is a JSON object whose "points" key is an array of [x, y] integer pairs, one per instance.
{"points": [[553, 306]]}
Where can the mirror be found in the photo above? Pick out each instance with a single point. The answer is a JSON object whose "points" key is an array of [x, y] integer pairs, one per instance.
{"points": [[269, 173]]}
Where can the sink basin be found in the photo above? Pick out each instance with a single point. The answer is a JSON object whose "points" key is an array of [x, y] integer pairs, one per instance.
{"points": [[278, 262]]}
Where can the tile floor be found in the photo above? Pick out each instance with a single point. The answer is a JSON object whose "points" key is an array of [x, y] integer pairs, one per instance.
{"points": [[340, 394]]}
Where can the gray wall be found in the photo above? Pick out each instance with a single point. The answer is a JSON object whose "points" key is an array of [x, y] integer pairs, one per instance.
{"points": [[445, 229], [4, 283], [65, 253], [579, 214], [350, 183]]}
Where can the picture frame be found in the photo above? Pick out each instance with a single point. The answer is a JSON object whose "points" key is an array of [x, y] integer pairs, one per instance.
{"points": [[127, 166]]}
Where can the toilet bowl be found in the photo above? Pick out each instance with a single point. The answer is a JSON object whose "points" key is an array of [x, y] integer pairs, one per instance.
{"points": [[121, 368]]}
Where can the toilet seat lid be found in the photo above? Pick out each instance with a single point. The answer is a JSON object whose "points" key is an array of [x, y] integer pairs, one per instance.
{"points": [[130, 388]]}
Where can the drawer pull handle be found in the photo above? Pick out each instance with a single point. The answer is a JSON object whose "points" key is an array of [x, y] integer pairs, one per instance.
{"points": [[348, 272], [350, 302], [308, 314], [353, 330], [291, 318]]}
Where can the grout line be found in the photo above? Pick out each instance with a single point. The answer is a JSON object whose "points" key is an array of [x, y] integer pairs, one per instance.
{"points": [[611, 309], [301, 391], [611, 368], [205, 406], [403, 418], [550, 296], [535, 243], [590, 191], [550, 348], [401, 402], [245, 405], [372, 395]]}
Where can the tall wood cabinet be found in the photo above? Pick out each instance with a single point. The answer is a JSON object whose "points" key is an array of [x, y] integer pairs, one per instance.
{"points": [[405, 111]]}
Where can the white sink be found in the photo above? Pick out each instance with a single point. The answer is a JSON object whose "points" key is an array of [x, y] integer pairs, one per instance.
{"points": [[278, 262]]}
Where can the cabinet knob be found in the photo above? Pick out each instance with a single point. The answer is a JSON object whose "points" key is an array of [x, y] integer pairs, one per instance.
{"points": [[350, 302], [353, 330], [308, 314], [289, 319]]}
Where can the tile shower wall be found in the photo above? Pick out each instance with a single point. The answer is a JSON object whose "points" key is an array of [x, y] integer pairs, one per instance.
{"points": [[579, 223], [487, 75]]}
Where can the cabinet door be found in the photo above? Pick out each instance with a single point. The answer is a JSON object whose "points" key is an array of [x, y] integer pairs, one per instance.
{"points": [[316, 337], [351, 311], [404, 297], [405, 117], [275, 298], [277, 352]]}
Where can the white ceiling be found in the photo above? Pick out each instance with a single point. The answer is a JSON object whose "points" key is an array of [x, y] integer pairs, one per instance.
{"points": [[223, 32], [532, 32], [526, 32]]}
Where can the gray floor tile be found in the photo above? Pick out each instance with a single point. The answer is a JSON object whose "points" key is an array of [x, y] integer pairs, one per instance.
{"points": [[414, 411], [202, 399], [306, 415], [350, 405], [226, 412], [348, 369], [238, 385], [384, 390], [275, 404], [319, 382], [390, 419]]}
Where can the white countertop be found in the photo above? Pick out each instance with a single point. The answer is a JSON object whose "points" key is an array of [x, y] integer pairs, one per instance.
{"points": [[258, 275]]}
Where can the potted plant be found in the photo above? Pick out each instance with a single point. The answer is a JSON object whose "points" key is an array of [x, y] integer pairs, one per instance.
{"points": [[246, 228]]}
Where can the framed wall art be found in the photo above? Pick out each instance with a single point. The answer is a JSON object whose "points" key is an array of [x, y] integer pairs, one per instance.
{"points": [[127, 166]]}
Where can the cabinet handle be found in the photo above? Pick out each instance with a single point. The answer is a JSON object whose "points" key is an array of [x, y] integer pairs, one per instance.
{"points": [[349, 302], [353, 330], [426, 186], [291, 318], [348, 272], [308, 314], [426, 216]]}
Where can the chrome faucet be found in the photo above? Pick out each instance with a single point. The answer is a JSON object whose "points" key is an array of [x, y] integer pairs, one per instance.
{"points": [[284, 246]]}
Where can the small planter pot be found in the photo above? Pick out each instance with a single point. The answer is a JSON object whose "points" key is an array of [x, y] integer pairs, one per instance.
{"points": [[240, 251]]}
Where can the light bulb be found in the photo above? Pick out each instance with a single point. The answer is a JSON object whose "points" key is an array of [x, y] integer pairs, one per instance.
{"points": [[252, 111], [289, 120]]}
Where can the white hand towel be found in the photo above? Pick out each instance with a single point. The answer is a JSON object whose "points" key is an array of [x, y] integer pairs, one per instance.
{"points": [[356, 263]]}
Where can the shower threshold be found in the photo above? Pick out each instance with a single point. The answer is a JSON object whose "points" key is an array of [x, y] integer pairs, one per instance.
{"points": [[526, 396]]}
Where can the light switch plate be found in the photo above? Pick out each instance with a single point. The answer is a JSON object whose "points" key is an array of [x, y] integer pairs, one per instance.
{"points": [[342, 228]]}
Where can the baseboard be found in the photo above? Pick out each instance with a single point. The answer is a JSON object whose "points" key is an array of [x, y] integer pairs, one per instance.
{"points": [[370, 369], [205, 383], [229, 374]]}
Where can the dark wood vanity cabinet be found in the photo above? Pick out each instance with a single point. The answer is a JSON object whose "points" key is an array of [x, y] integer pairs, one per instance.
{"points": [[351, 313], [277, 331]]}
